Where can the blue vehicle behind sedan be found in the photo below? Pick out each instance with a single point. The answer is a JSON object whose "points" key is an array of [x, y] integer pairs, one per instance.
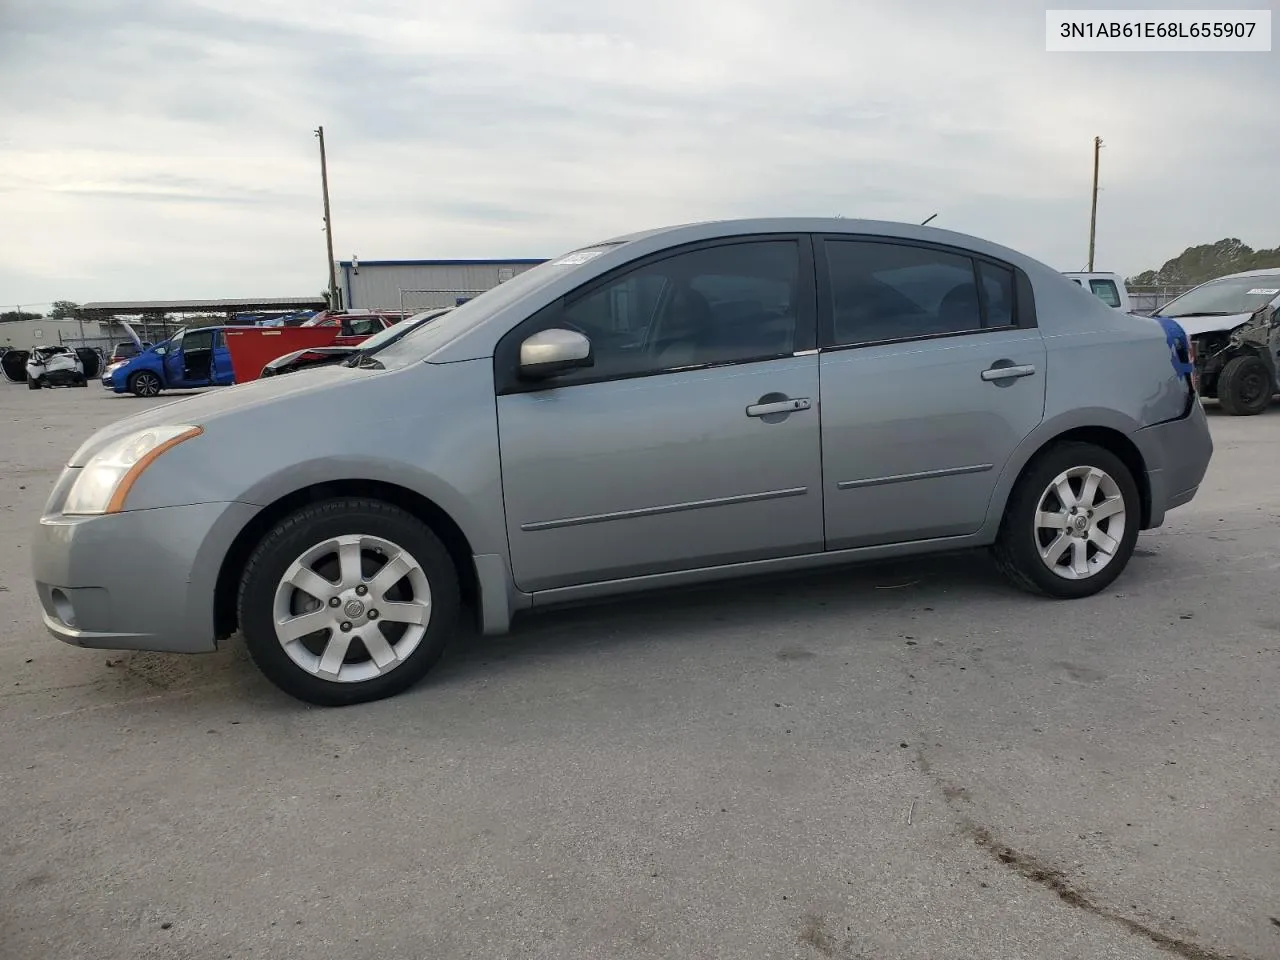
{"points": [[191, 358]]}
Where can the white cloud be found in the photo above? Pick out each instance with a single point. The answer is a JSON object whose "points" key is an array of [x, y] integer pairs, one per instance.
{"points": [[163, 147]]}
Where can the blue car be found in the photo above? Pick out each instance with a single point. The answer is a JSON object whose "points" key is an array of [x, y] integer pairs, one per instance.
{"points": [[191, 358]]}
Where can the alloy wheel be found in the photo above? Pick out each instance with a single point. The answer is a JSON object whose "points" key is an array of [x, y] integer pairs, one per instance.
{"points": [[1080, 522], [352, 608]]}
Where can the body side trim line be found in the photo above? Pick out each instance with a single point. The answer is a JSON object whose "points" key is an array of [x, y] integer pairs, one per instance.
{"points": [[922, 475], [665, 508]]}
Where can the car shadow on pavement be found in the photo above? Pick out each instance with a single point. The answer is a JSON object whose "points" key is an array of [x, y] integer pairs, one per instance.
{"points": [[165, 395], [767, 605]]}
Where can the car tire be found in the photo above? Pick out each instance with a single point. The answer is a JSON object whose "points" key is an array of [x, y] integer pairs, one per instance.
{"points": [[144, 383], [82, 382], [1068, 550], [1245, 386], [336, 664], [33, 383]]}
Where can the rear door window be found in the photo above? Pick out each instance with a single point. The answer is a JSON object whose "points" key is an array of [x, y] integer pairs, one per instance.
{"points": [[883, 291]]}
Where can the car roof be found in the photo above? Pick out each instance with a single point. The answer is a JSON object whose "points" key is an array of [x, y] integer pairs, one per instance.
{"points": [[1269, 271], [717, 229]]}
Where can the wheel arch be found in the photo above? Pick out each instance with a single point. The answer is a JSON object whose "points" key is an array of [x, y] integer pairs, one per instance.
{"points": [[226, 588], [1110, 431], [1118, 443]]}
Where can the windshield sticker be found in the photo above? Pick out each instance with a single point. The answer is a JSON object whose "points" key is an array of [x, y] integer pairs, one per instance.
{"points": [[582, 256], [1263, 292]]}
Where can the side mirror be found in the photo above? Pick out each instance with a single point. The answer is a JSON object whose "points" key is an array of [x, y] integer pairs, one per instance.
{"points": [[550, 353]]}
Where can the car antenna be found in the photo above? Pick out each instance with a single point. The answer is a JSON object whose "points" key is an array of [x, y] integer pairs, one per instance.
{"points": [[927, 219]]}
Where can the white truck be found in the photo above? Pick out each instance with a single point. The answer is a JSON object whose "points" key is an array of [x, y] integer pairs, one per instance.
{"points": [[1107, 287]]}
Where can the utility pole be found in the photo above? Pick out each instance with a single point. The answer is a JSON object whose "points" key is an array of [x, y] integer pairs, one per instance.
{"points": [[1093, 209], [334, 303]]}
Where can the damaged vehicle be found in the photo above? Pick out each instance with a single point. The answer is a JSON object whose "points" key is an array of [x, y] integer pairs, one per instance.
{"points": [[1235, 332], [55, 366], [349, 354]]}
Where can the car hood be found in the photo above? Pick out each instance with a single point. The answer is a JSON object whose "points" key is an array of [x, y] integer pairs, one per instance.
{"points": [[322, 351], [202, 408], [133, 334], [1194, 326]]}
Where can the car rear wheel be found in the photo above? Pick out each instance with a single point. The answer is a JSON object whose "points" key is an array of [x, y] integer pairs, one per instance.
{"points": [[348, 600], [144, 383], [1071, 523], [33, 383], [1245, 387]]}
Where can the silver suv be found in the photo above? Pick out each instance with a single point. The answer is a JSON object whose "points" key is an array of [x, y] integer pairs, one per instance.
{"points": [[681, 405]]}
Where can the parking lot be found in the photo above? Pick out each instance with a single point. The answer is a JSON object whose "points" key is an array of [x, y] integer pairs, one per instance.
{"points": [[904, 761]]}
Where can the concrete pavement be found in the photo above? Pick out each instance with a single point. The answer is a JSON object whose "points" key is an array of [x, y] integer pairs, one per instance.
{"points": [[907, 761]]}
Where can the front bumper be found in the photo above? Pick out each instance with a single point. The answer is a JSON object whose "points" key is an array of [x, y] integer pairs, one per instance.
{"points": [[138, 580], [1177, 454], [58, 378]]}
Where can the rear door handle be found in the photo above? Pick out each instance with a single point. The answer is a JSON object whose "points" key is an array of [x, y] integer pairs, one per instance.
{"points": [[1008, 373], [779, 406]]}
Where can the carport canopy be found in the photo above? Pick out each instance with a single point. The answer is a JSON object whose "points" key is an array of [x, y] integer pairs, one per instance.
{"points": [[104, 310]]}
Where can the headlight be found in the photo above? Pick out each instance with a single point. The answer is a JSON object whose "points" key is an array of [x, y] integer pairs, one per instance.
{"points": [[105, 481]]}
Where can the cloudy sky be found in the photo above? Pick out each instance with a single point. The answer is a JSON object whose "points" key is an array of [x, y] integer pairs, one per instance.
{"points": [[164, 148]]}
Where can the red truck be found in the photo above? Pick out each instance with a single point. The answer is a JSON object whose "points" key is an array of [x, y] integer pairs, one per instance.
{"points": [[253, 347]]}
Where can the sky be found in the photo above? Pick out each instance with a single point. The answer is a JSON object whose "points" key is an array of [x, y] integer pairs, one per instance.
{"points": [[165, 148]]}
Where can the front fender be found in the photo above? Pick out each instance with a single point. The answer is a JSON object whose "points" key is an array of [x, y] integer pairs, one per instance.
{"points": [[482, 532], [429, 430]]}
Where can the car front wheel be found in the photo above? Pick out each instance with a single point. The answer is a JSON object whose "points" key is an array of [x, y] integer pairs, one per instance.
{"points": [[1245, 386], [144, 383], [348, 600], [1071, 524]]}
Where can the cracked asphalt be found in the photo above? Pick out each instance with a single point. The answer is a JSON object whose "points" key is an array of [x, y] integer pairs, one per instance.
{"points": [[904, 762]]}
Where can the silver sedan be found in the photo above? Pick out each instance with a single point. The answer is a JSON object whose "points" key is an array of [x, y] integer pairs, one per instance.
{"points": [[682, 405]]}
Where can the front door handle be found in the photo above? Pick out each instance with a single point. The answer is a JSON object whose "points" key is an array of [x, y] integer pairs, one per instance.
{"points": [[1008, 373], [779, 406]]}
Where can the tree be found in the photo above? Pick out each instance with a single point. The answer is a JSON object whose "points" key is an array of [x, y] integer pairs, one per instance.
{"points": [[11, 315], [63, 310], [1196, 265]]}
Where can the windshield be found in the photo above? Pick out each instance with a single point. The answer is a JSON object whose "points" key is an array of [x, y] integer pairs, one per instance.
{"points": [[482, 306], [1221, 298]]}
